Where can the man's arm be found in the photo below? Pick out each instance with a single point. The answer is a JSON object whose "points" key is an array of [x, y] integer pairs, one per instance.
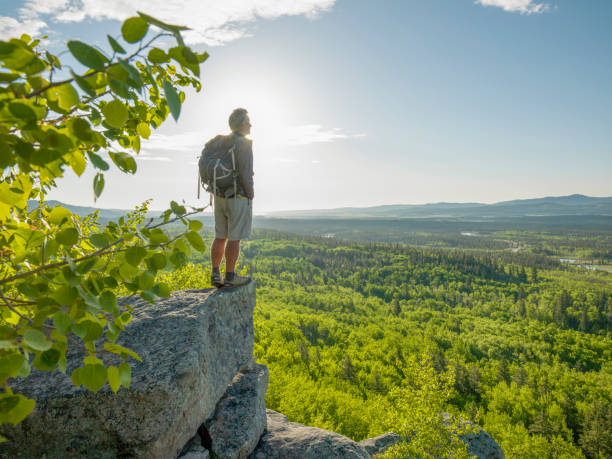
{"points": [[245, 167]]}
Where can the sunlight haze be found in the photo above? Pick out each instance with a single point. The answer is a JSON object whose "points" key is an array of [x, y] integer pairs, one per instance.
{"points": [[362, 103]]}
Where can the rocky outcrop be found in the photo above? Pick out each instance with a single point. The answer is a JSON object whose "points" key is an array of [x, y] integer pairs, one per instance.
{"points": [[380, 444], [283, 439], [191, 344], [479, 443], [240, 417]]}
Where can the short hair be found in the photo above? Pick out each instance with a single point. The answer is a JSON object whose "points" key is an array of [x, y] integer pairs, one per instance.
{"points": [[237, 118]]}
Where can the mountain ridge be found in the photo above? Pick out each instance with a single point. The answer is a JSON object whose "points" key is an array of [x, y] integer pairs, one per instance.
{"points": [[574, 204]]}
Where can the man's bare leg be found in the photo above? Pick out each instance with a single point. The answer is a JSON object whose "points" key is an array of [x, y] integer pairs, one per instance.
{"points": [[216, 251], [232, 252]]}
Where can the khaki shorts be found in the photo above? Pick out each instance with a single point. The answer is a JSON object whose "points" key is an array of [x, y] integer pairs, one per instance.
{"points": [[233, 218]]}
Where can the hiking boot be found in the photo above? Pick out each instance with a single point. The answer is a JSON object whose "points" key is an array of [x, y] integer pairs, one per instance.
{"points": [[215, 279], [236, 281]]}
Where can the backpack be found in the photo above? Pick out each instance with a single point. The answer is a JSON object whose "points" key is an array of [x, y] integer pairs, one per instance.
{"points": [[217, 167]]}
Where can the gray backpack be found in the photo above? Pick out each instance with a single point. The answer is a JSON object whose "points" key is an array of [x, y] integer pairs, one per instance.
{"points": [[217, 167]]}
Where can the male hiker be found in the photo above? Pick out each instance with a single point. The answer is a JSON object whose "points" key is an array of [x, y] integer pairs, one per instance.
{"points": [[233, 202]]}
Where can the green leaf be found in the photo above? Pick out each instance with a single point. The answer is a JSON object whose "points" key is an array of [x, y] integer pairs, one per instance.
{"points": [[158, 56], [83, 84], [178, 259], [112, 332], [124, 161], [125, 318], [86, 55], [116, 46], [25, 370], [134, 29], [184, 56], [110, 281], [202, 57], [162, 290], [172, 99], [133, 78], [177, 209], [81, 129], [36, 340], [196, 241], [162, 25], [67, 97], [148, 296], [91, 301], [158, 261], [84, 266], [108, 301], [76, 377], [8, 402], [195, 225], [68, 236], [62, 322], [125, 375], [97, 161], [98, 184], [157, 236], [58, 215], [7, 332], [87, 330], [11, 364], [93, 376], [113, 378], [15, 408], [92, 359], [65, 295], [120, 88], [99, 240], [8, 77], [182, 246], [146, 281], [127, 271], [22, 112], [143, 130], [47, 361], [124, 352], [116, 113], [135, 254]]}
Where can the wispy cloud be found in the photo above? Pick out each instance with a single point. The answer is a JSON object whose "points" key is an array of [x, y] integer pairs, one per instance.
{"points": [[314, 133], [517, 6], [212, 22], [184, 142], [147, 157], [12, 28]]}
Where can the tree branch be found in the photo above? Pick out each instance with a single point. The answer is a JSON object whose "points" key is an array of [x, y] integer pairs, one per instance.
{"points": [[103, 69], [10, 306], [97, 253]]}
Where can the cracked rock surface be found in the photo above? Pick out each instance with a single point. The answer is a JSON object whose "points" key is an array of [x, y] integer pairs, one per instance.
{"points": [[283, 439], [192, 344]]}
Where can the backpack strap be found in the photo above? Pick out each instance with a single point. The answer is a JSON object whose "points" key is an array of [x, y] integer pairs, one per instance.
{"points": [[199, 183], [215, 176], [235, 172]]}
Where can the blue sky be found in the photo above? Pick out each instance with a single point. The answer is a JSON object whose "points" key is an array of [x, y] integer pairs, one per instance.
{"points": [[362, 102]]}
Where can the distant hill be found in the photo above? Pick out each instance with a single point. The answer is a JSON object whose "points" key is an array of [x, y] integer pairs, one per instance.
{"points": [[575, 204], [105, 214]]}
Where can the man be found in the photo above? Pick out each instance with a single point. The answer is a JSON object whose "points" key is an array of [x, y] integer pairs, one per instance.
{"points": [[234, 214]]}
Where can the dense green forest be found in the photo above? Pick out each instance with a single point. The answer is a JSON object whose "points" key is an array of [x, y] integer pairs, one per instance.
{"points": [[526, 340], [587, 237]]}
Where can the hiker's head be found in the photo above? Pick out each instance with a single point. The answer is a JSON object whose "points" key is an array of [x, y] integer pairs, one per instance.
{"points": [[239, 121]]}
